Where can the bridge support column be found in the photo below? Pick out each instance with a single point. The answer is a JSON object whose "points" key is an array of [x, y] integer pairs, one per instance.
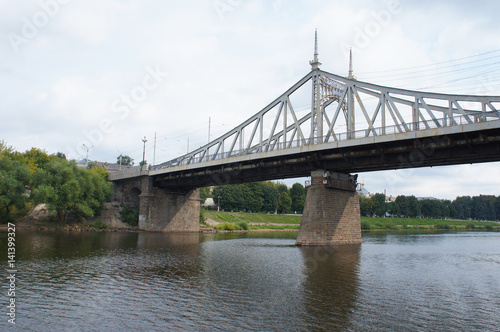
{"points": [[169, 212], [331, 213]]}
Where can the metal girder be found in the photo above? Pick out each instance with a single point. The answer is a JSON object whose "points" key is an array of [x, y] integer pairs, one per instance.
{"points": [[378, 110]]}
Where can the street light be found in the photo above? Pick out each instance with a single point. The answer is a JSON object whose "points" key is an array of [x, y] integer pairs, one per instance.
{"points": [[143, 152], [87, 158]]}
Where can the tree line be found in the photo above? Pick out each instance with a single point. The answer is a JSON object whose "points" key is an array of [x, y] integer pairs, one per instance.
{"points": [[482, 207], [32, 177], [277, 197], [258, 197]]}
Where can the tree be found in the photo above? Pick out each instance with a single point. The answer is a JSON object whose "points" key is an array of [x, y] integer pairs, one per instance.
{"points": [[5, 150], [35, 158], [379, 206], [125, 160], [67, 189], [365, 205], [252, 196], [14, 178], [270, 196], [432, 208], [59, 155], [284, 203], [204, 194], [393, 209], [298, 196], [463, 207], [231, 196]]}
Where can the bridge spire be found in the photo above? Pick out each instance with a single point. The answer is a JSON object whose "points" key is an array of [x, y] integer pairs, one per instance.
{"points": [[350, 64], [315, 62]]}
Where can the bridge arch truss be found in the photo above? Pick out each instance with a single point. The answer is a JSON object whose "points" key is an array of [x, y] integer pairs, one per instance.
{"points": [[340, 109]]}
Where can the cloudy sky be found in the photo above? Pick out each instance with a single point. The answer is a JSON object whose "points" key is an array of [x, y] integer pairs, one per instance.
{"points": [[106, 73]]}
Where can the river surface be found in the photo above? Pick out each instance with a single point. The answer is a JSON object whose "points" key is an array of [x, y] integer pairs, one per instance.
{"points": [[69, 281]]}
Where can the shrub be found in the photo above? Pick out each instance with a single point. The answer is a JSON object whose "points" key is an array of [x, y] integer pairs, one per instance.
{"points": [[242, 225], [226, 226], [471, 226], [365, 225], [489, 227], [98, 224], [203, 218], [130, 215]]}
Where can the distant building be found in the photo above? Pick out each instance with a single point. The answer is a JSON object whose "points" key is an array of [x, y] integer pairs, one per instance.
{"points": [[362, 190], [429, 198], [209, 204]]}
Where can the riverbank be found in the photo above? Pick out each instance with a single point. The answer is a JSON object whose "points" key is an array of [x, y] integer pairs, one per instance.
{"points": [[266, 222], [292, 222]]}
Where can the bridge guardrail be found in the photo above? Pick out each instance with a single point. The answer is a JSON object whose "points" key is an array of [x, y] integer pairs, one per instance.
{"points": [[363, 133]]}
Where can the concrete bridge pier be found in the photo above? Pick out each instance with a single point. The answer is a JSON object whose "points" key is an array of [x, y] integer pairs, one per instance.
{"points": [[331, 213], [160, 210], [170, 212]]}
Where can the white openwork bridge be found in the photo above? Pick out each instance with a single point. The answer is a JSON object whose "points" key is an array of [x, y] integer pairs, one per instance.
{"points": [[341, 109]]}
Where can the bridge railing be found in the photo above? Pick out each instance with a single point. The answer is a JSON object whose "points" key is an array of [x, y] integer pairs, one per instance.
{"points": [[358, 134]]}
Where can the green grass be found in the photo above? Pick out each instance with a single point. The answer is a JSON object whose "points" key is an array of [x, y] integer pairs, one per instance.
{"points": [[416, 223], [279, 221], [265, 218]]}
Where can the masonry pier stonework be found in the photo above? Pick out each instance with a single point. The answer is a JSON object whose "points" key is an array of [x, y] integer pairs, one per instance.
{"points": [[160, 209], [331, 213]]}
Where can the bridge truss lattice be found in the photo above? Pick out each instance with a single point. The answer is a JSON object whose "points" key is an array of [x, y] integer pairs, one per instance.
{"points": [[341, 108]]}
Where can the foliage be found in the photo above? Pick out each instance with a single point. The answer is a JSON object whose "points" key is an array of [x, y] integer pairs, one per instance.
{"points": [[285, 202], [242, 225], [227, 226], [5, 150], [98, 224], [13, 179], [130, 215], [203, 218], [125, 160], [379, 205], [270, 196], [204, 194], [298, 196], [67, 189], [365, 225]]}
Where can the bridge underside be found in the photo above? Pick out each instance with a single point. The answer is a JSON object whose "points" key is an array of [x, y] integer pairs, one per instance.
{"points": [[450, 149]]}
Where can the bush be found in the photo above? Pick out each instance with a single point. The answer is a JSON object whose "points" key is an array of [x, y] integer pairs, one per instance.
{"points": [[242, 225], [130, 215], [489, 227], [203, 218], [226, 226], [365, 225], [98, 224], [471, 226]]}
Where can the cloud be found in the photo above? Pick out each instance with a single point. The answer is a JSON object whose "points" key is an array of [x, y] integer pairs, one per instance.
{"points": [[64, 82]]}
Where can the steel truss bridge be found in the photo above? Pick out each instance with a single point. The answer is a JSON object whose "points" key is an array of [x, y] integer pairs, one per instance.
{"points": [[348, 126]]}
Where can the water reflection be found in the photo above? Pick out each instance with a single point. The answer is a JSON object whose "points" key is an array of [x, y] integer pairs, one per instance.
{"points": [[330, 286]]}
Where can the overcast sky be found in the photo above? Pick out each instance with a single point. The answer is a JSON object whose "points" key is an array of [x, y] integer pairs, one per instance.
{"points": [[106, 73]]}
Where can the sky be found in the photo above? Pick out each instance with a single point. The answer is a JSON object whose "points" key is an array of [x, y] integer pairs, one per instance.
{"points": [[97, 76]]}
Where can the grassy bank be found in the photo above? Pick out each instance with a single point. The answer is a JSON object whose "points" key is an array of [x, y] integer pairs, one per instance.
{"points": [[279, 221], [257, 220], [420, 223]]}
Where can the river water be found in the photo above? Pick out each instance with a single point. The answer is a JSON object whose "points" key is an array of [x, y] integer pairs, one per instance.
{"points": [[69, 281]]}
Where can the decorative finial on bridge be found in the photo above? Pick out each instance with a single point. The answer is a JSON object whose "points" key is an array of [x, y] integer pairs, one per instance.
{"points": [[350, 63], [315, 62], [350, 75]]}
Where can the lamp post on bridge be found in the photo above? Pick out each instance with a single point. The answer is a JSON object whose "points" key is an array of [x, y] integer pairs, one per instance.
{"points": [[144, 140]]}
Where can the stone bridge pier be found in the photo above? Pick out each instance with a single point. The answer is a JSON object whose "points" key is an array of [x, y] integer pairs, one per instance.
{"points": [[159, 209], [331, 213]]}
